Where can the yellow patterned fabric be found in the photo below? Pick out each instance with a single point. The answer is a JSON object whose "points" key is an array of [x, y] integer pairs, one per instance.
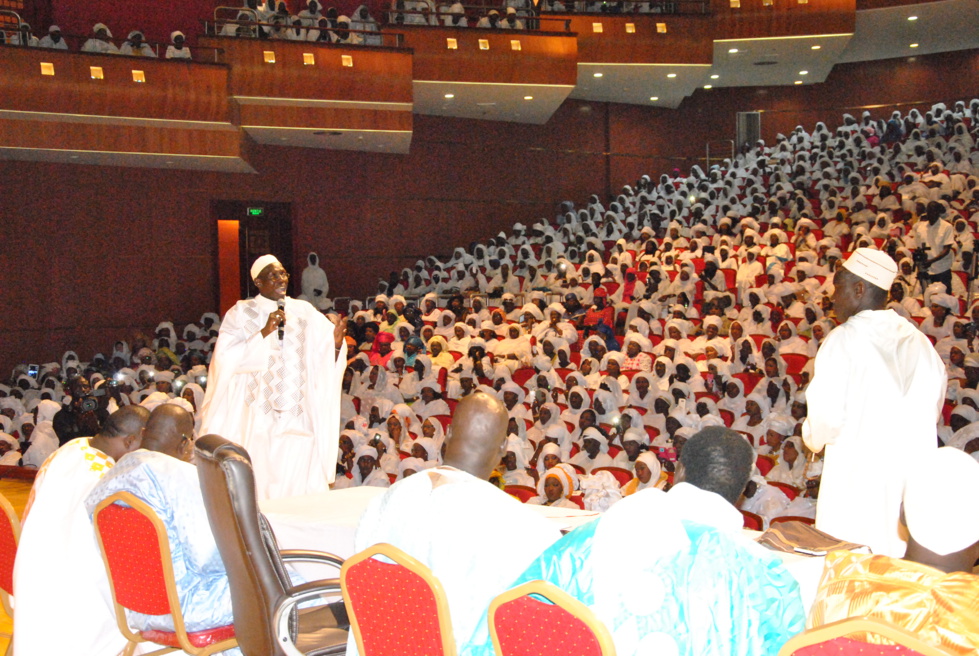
{"points": [[940, 608]]}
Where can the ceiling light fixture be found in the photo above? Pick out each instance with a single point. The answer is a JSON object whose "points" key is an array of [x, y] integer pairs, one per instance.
{"points": [[816, 47], [599, 74], [733, 51], [914, 45], [671, 75], [912, 18], [714, 76]]}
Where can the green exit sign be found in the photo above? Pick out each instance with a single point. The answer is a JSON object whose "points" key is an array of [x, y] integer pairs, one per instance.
{"points": [[256, 211]]}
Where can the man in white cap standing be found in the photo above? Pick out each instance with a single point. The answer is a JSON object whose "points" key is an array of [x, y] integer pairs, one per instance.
{"points": [[274, 386], [874, 404]]}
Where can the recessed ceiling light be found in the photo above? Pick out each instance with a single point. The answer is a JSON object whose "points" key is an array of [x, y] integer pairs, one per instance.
{"points": [[654, 98], [714, 76], [671, 75], [803, 72], [528, 97], [450, 96], [599, 74], [707, 86], [733, 51], [914, 45], [912, 18], [816, 47], [798, 81]]}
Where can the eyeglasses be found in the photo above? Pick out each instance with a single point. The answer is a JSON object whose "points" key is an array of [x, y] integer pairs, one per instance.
{"points": [[276, 275]]}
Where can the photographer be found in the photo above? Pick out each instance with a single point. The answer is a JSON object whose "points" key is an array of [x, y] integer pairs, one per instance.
{"points": [[933, 241], [86, 413]]}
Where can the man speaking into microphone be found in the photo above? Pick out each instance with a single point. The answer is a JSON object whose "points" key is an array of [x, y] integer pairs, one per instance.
{"points": [[274, 386]]}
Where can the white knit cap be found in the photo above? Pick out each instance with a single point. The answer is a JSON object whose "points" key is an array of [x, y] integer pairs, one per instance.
{"points": [[261, 263], [876, 267], [937, 509]]}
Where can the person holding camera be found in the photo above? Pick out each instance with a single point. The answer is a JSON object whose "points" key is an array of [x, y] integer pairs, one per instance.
{"points": [[85, 415], [933, 241]]}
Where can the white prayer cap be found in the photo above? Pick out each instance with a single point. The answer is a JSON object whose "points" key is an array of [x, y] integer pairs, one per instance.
{"points": [[163, 376], [9, 439], [259, 265], [153, 400], [712, 320], [946, 301], [935, 503], [508, 297], [173, 37], [876, 267], [781, 424], [101, 26], [53, 29]]}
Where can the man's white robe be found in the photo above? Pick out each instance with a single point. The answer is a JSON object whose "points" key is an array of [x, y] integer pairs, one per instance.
{"points": [[874, 403], [278, 399], [62, 600]]}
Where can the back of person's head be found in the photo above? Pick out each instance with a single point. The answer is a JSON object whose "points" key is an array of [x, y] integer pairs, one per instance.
{"points": [[939, 510], [479, 428], [128, 420], [170, 430], [718, 460]]}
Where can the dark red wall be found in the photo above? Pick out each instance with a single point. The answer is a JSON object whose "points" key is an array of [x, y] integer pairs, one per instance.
{"points": [[90, 252]]}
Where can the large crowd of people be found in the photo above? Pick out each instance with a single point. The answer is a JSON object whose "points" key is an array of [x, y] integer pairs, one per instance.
{"points": [[665, 342], [613, 334]]}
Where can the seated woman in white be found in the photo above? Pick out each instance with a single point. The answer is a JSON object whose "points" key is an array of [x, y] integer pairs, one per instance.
{"points": [[555, 488], [515, 464]]}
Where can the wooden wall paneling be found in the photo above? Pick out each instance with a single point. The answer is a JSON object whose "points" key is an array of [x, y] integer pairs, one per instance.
{"points": [[173, 90], [378, 74], [783, 18], [355, 118], [688, 39], [114, 138], [543, 58]]}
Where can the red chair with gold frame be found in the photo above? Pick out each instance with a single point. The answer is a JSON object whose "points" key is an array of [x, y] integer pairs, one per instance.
{"points": [[539, 619], [382, 582], [832, 639], [9, 538], [136, 553]]}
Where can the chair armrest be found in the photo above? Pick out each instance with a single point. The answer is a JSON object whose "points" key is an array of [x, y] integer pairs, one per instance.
{"points": [[297, 595], [307, 555]]}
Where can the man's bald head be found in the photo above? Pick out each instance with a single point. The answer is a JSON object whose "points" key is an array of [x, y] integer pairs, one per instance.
{"points": [[170, 430], [478, 434], [122, 432]]}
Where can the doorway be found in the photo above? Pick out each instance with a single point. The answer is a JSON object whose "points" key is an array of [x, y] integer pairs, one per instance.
{"points": [[245, 231]]}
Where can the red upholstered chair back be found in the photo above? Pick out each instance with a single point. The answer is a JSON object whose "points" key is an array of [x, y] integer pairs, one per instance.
{"points": [[832, 640], [538, 619], [134, 556], [752, 521], [9, 537], [381, 583], [522, 492], [623, 476]]}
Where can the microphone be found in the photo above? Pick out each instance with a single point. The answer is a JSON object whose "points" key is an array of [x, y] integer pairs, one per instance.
{"points": [[281, 305]]}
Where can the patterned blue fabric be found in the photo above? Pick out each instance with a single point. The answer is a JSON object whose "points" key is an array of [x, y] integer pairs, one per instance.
{"points": [[718, 596], [171, 488]]}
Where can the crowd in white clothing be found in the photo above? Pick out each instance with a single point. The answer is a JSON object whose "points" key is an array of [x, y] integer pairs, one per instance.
{"points": [[613, 334]]}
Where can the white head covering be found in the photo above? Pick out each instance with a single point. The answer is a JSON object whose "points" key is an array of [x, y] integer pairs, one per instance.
{"points": [[935, 508], [876, 267], [261, 263]]}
